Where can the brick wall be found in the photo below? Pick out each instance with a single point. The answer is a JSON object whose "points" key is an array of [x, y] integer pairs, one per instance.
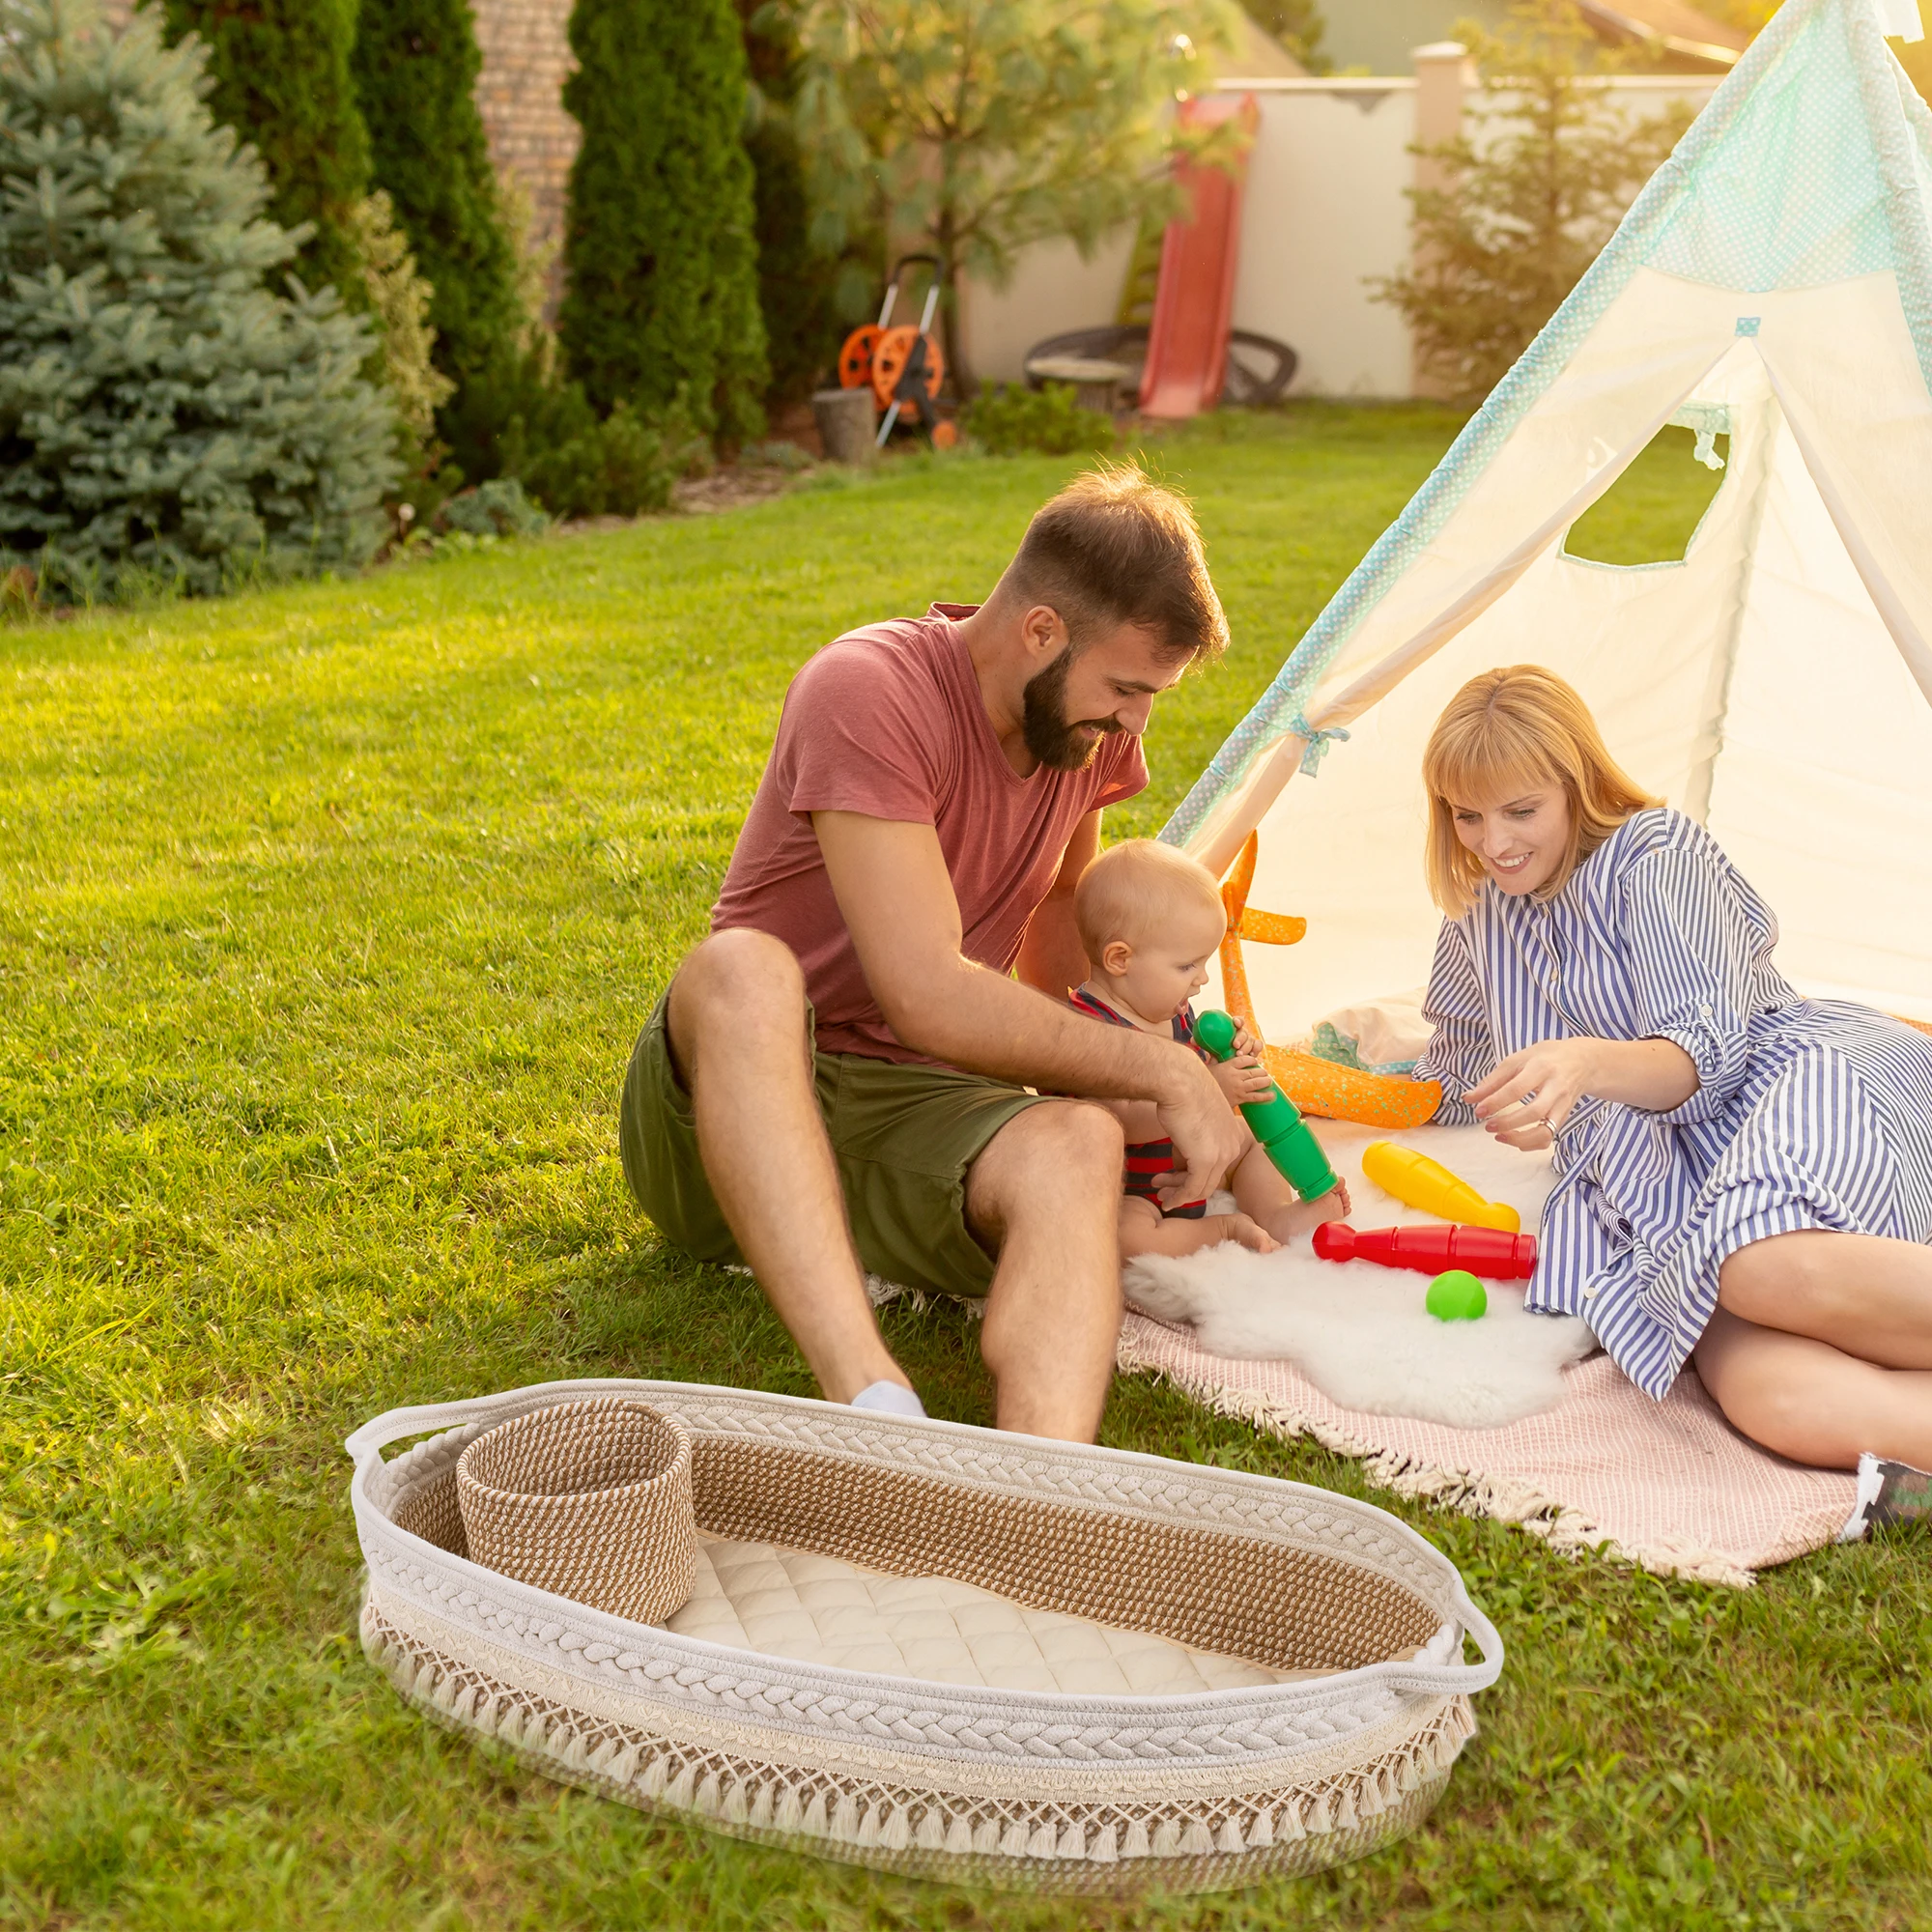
{"points": [[519, 94]]}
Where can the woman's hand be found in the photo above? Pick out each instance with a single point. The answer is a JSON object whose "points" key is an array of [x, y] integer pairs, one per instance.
{"points": [[1531, 1093]]}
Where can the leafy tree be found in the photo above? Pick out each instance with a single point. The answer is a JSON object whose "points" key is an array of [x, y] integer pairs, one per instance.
{"points": [[165, 419], [661, 265], [415, 67], [984, 124], [1298, 25], [1532, 195], [281, 78]]}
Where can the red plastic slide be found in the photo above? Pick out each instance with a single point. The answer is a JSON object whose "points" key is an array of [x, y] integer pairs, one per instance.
{"points": [[1194, 302]]}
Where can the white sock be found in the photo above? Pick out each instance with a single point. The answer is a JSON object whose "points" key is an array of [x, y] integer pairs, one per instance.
{"points": [[889, 1398]]}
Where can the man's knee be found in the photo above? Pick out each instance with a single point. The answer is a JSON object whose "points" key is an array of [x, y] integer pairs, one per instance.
{"points": [[740, 983], [1059, 1149]]}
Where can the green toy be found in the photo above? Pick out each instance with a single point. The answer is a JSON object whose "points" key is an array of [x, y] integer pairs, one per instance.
{"points": [[1457, 1296], [1276, 1121]]}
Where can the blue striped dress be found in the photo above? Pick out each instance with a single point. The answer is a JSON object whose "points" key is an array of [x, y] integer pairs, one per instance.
{"points": [[1809, 1113]]}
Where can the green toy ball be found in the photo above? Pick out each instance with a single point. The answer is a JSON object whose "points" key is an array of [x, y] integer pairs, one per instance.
{"points": [[1457, 1296]]}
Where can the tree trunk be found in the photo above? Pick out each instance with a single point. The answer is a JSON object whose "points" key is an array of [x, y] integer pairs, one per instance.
{"points": [[951, 337]]}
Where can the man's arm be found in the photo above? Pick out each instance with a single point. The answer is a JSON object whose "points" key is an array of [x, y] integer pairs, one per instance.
{"points": [[1052, 957], [893, 887]]}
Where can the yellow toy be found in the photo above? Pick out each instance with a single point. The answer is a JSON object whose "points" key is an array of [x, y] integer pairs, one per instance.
{"points": [[1315, 1085], [1421, 1182]]}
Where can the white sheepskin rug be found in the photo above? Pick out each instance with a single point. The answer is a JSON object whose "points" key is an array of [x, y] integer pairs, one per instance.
{"points": [[1360, 1332]]}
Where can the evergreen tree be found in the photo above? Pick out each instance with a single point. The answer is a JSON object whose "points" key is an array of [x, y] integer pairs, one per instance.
{"points": [[662, 297], [797, 281], [165, 416], [1532, 197], [282, 81], [415, 67]]}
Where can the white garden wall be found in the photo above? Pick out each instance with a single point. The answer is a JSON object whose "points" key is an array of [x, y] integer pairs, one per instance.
{"points": [[1325, 211]]}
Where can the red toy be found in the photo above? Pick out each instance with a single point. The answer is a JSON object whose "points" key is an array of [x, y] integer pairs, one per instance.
{"points": [[1483, 1251]]}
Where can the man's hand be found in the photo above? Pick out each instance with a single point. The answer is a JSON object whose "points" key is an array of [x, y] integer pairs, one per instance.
{"points": [[1209, 1136]]}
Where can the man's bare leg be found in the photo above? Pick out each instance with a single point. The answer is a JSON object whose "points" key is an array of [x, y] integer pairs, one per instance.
{"points": [[1045, 1195], [737, 1028], [1811, 1402]]}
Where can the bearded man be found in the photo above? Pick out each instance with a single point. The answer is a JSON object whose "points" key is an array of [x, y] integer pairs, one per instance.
{"points": [[870, 1063]]}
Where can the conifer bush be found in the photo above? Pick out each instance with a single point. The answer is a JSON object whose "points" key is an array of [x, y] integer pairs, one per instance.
{"points": [[282, 81], [166, 418], [415, 67], [658, 255]]}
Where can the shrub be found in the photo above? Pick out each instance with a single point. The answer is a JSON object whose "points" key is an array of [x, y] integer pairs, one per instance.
{"points": [[495, 509], [498, 421], [416, 66], [165, 419], [617, 468], [662, 267], [282, 81], [399, 304], [1006, 421]]}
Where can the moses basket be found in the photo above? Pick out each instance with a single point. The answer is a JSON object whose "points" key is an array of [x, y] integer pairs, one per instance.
{"points": [[952, 1653]]}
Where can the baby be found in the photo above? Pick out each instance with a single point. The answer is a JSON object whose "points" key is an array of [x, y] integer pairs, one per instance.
{"points": [[1150, 918]]}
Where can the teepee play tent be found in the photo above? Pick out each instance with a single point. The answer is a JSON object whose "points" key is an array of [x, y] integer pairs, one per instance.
{"points": [[1773, 284]]}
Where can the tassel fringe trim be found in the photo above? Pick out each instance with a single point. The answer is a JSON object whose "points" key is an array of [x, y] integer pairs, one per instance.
{"points": [[1380, 1798]]}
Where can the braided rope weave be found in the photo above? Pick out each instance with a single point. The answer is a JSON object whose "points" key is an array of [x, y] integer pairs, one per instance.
{"points": [[1186, 1791], [588, 1500]]}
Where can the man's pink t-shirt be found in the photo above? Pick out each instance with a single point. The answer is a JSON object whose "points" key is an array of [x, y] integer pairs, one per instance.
{"points": [[888, 720]]}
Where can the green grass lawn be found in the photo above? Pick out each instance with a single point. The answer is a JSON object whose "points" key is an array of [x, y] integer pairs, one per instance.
{"points": [[326, 919]]}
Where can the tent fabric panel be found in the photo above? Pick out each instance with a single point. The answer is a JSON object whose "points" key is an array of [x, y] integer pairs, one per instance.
{"points": [[1279, 709], [1821, 794], [1817, 215]]}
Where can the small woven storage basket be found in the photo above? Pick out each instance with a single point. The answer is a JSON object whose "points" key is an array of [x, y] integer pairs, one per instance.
{"points": [[590, 1500]]}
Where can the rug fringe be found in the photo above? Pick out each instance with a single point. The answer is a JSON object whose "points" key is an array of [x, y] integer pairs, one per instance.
{"points": [[1469, 1490]]}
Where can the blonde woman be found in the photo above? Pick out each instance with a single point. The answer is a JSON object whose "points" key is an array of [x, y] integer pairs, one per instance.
{"points": [[1744, 1174]]}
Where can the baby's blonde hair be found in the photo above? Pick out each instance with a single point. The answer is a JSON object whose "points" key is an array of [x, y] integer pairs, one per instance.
{"points": [[1133, 888], [1505, 733]]}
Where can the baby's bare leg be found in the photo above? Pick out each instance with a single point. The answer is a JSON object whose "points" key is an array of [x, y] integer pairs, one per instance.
{"points": [[1265, 1197], [1146, 1230]]}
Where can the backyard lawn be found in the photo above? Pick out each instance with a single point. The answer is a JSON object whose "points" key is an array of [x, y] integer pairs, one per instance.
{"points": [[326, 919]]}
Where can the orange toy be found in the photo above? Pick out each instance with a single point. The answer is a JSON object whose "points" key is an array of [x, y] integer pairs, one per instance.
{"points": [[1315, 1085]]}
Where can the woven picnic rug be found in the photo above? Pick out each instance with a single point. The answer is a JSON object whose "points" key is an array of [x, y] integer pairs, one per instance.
{"points": [[1670, 1486]]}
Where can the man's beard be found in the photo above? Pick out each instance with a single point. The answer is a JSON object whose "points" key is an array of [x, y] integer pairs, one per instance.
{"points": [[1051, 736]]}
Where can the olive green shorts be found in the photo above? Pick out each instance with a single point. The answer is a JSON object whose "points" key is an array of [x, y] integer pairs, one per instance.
{"points": [[904, 1137]]}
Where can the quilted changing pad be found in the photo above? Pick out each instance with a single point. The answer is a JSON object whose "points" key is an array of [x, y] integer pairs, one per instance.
{"points": [[918, 1645], [821, 1609]]}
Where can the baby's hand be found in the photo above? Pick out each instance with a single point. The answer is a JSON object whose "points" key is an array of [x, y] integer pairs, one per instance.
{"points": [[1243, 1079]]}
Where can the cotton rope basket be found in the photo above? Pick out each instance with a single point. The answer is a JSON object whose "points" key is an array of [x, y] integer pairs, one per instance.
{"points": [[915, 1644]]}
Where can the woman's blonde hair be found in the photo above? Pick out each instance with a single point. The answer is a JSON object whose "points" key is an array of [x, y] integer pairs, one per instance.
{"points": [[1507, 732]]}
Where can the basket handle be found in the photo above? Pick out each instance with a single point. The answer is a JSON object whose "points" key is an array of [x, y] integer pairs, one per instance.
{"points": [[369, 1441]]}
